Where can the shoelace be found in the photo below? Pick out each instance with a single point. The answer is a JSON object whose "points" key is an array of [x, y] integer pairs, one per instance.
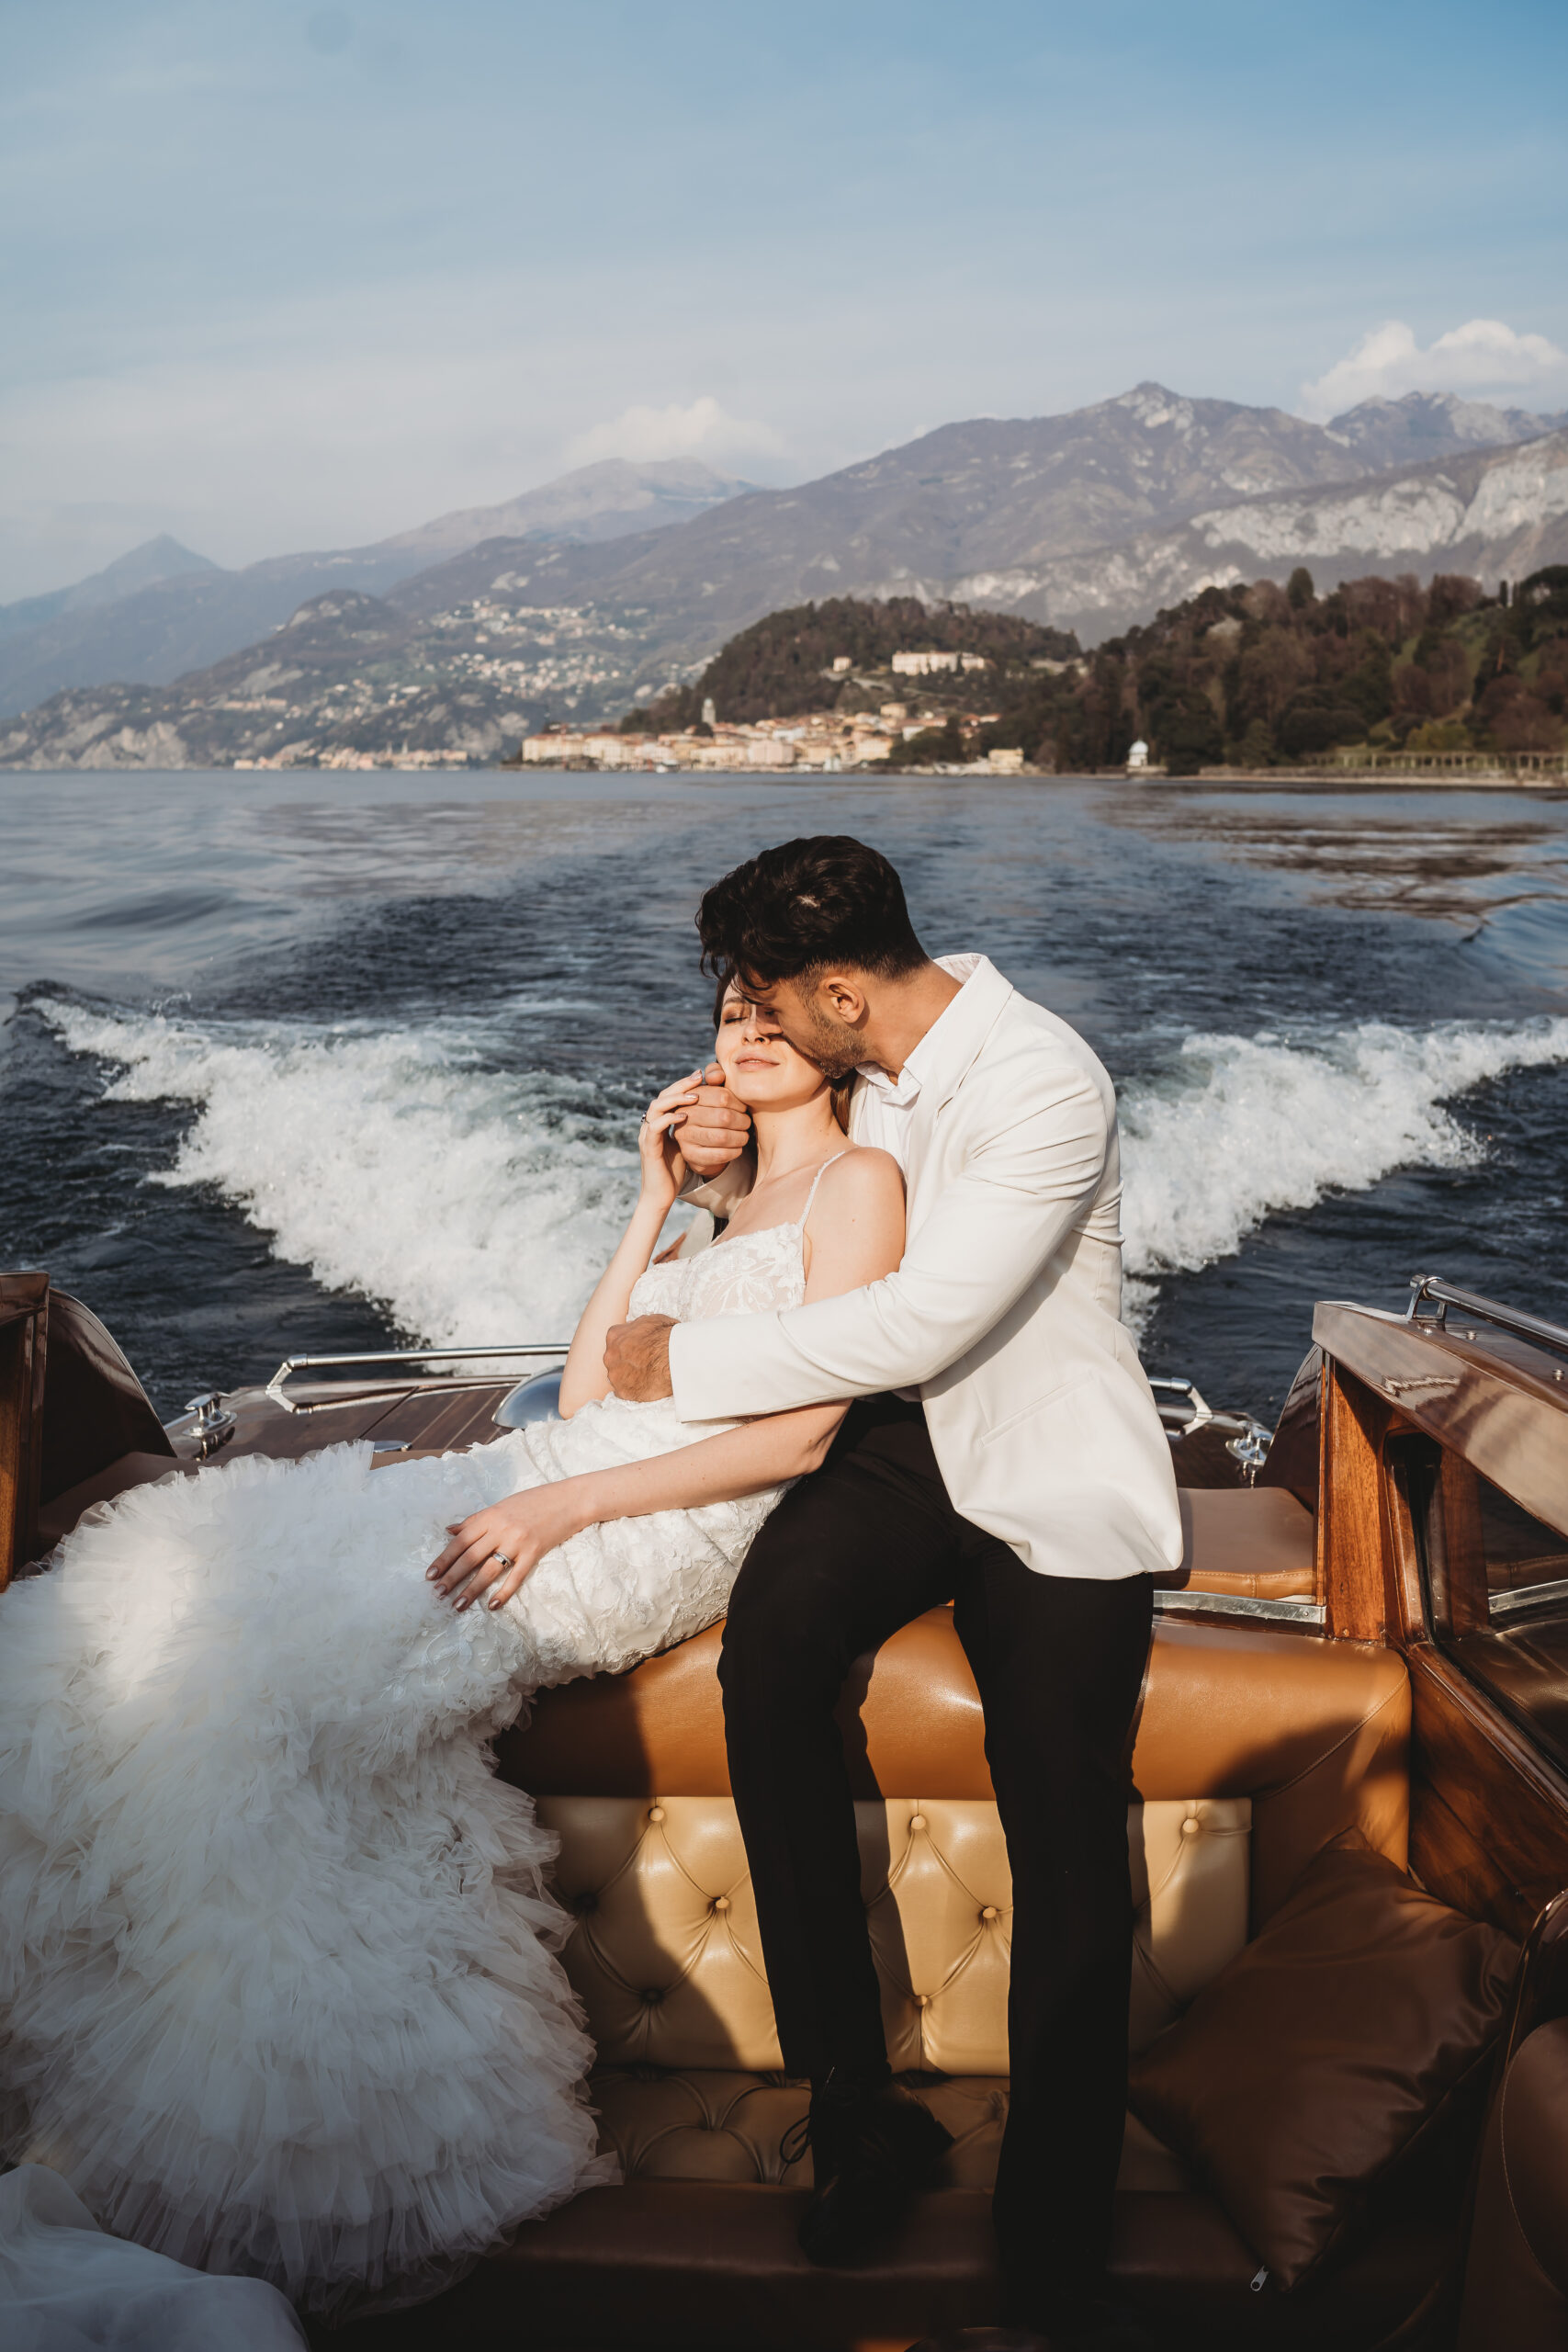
{"points": [[795, 2141]]}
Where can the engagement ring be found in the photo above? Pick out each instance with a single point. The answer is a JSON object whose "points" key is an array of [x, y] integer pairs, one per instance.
{"points": [[503, 1559]]}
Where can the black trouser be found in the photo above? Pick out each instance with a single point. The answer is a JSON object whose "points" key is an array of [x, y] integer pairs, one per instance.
{"points": [[849, 1555]]}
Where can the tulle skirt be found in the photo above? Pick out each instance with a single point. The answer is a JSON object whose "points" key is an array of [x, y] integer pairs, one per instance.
{"points": [[277, 1957]]}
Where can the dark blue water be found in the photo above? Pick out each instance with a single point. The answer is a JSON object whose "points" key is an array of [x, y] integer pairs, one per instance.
{"points": [[295, 1063]]}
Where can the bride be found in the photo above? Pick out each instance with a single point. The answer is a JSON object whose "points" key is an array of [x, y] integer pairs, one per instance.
{"points": [[277, 1980]]}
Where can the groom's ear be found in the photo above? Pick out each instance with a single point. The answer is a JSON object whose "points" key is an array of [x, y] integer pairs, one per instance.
{"points": [[841, 997]]}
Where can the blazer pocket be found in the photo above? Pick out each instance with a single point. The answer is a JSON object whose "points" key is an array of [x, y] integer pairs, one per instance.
{"points": [[1040, 1404]]}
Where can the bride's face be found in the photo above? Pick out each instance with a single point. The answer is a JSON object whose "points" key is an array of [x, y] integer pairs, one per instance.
{"points": [[759, 1064]]}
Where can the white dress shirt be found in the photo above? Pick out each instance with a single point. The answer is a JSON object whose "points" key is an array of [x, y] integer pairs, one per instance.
{"points": [[1004, 1317]]}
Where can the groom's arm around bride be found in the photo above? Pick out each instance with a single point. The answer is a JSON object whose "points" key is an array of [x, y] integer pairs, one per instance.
{"points": [[1022, 1473]]}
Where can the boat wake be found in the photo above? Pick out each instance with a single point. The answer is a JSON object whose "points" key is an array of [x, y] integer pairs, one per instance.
{"points": [[473, 1203]]}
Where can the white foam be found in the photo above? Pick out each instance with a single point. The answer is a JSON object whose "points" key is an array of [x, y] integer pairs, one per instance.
{"points": [[475, 1205], [1244, 1126]]}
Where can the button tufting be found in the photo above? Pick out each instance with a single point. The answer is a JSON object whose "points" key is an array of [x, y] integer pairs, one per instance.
{"points": [[923, 2000], [1192, 1825], [721, 1903], [989, 1911], [585, 1902], [917, 1821], [652, 1995], [656, 1813]]}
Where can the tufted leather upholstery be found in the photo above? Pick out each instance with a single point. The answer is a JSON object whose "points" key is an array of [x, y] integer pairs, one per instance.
{"points": [[700, 2125], [1252, 1750], [1315, 1733], [668, 1963]]}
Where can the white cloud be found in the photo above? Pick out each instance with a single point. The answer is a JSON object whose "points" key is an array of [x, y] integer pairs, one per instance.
{"points": [[701, 429], [1480, 358]]}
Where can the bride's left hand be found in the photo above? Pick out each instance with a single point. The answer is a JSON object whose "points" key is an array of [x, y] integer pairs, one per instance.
{"points": [[492, 1552]]}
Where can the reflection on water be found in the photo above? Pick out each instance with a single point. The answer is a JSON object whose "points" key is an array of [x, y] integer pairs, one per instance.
{"points": [[1451, 857]]}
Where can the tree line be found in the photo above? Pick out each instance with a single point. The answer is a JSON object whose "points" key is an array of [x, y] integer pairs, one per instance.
{"points": [[1253, 677], [782, 667], [1261, 677]]}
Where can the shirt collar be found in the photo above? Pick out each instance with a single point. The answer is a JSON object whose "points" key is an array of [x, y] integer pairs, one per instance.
{"points": [[939, 1062]]}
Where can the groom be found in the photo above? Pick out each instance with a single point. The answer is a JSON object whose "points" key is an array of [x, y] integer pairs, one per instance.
{"points": [[1006, 1453]]}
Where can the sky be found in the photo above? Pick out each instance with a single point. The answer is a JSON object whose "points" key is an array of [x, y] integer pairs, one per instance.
{"points": [[278, 276]]}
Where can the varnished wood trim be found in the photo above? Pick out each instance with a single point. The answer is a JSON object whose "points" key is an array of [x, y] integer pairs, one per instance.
{"points": [[1352, 1540], [1507, 1417]]}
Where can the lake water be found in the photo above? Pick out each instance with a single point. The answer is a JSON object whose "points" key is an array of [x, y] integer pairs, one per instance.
{"points": [[298, 1062]]}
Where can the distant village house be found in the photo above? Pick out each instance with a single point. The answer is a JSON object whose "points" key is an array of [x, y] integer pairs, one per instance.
{"points": [[924, 665]]}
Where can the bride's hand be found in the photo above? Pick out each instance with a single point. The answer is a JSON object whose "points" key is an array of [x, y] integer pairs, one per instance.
{"points": [[492, 1552], [663, 1169]]}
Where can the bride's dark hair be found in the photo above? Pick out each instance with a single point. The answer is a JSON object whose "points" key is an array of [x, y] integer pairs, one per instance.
{"points": [[840, 1088]]}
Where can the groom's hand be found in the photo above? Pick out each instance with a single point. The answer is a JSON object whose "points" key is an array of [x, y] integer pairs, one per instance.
{"points": [[637, 1357], [714, 1132]]}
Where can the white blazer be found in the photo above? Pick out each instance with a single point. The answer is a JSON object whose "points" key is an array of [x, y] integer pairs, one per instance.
{"points": [[1005, 1314]]}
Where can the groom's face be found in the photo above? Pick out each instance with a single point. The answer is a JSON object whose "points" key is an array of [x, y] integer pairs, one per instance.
{"points": [[810, 1014]]}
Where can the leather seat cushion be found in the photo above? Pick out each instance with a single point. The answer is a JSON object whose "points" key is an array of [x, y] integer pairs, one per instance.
{"points": [[1311, 2063], [1516, 2287], [1535, 2146], [1316, 1732], [675, 2266], [668, 1962], [1258, 1542], [723, 2125], [56, 1517]]}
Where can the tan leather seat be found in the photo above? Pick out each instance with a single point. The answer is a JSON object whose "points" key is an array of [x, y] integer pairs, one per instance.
{"points": [[1314, 1734], [1257, 1541], [1516, 2288], [1252, 1749], [56, 1517]]}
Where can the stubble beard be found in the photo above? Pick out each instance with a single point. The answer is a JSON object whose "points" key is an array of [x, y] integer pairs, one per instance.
{"points": [[836, 1052]]}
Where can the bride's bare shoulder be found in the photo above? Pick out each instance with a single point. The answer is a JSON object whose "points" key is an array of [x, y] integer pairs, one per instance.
{"points": [[863, 1175]]}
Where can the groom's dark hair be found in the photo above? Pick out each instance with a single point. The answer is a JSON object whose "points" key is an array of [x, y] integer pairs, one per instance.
{"points": [[825, 898]]}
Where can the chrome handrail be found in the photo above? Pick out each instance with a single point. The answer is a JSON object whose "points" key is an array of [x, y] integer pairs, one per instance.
{"points": [[1201, 1414], [291, 1364], [1430, 1291], [1526, 1596]]}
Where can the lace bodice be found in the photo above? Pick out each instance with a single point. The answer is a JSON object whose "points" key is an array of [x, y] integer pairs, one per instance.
{"points": [[747, 1274]]}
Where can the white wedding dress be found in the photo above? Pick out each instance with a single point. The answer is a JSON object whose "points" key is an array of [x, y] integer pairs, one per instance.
{"points": [[277, 1971]]}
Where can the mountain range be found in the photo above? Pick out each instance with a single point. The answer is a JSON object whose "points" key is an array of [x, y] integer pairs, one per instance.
{"points": [[609, 584], [162, 611]]}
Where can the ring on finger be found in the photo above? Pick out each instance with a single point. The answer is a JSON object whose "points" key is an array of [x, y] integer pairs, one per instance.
{"points": [[503, 1559]]}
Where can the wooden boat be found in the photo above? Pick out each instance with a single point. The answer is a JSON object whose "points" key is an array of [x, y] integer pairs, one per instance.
{"points": [[1365, 1653]]}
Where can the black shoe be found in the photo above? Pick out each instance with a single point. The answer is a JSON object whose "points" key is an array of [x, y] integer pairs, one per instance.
{"points": [[872, 2153]]}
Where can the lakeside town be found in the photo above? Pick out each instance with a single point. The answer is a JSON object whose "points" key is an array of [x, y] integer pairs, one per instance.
{"points": [[823, 741], [1374, 680], [1379, 680]]}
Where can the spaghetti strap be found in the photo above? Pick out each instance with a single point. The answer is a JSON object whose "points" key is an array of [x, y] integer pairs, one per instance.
{"points": [[806, 1212]]}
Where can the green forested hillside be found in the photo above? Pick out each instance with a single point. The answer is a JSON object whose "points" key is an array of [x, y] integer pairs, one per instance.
{"points": [[1262, 675], [1256, 676], [783, 666]]}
